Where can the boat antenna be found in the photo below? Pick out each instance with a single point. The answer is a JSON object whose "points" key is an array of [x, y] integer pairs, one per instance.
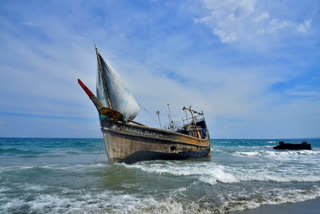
{"points": [[158, 113], [102, 76], [185, 111], [170, 118]]}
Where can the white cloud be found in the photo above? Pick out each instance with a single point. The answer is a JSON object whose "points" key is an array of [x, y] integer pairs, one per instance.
{"points": [[305, 27], [262, 17], [30, 24], [225, 37], [245, 20], [276, 25]]}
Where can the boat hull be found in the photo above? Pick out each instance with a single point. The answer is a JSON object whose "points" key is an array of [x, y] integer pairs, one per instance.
{"points": [[132, 143]]}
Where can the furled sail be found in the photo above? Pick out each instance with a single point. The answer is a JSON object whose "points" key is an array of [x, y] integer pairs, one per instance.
{"points": [[113, 92]]}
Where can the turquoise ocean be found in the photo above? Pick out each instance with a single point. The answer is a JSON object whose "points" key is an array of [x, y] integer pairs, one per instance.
{"points": [[74, 176]]}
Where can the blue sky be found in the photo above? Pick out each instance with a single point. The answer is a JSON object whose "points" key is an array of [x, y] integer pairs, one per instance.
{"points": [[251, 66]]}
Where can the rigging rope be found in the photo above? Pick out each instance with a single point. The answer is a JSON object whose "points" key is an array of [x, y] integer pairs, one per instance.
{"points": [[150, 114], [94, 162]]}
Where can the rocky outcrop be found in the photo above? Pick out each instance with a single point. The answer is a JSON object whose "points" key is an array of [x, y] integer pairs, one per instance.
{"points": [[293, 146]]}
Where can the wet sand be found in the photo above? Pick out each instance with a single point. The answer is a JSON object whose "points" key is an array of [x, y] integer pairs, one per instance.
{"points": [[305, 207]]}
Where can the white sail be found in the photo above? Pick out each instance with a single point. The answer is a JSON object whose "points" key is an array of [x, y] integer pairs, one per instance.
{"points": [[110, 87]]}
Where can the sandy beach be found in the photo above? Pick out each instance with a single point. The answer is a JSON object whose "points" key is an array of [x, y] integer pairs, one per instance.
{"points": [[305, 207]]}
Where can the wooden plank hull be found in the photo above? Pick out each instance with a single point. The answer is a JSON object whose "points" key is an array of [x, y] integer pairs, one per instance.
{"points": [[132, 143]]}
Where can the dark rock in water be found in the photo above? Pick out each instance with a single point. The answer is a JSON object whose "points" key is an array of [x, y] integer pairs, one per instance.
{"points": [[293, 146]]}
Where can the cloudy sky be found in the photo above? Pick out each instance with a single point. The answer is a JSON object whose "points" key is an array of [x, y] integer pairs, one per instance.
{"points": [[252, 66]]}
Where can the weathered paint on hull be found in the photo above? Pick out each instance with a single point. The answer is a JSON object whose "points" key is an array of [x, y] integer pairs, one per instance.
{"points": [[131, 143]]}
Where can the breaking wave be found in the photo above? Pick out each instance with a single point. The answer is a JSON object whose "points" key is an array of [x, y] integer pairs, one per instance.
{"points": [[212, 173], [277, 153], [80, 201]]}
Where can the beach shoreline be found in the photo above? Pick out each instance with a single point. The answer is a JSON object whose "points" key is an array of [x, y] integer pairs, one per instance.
{"points": [[307, 207]]}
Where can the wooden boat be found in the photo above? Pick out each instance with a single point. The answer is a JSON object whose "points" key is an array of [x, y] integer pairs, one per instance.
{"points": [[129, 143]]}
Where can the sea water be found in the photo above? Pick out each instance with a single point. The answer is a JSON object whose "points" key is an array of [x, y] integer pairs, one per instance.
{"points": [[74, 176]]}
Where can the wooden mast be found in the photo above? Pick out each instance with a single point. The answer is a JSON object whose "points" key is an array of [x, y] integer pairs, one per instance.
{"points": [[105, 86], [103, 79]]}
